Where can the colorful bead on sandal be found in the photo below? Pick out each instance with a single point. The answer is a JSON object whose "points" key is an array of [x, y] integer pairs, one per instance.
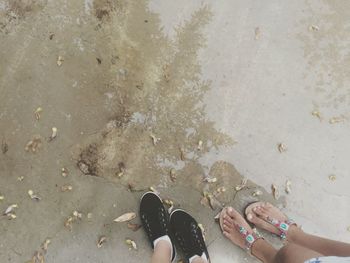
{"points": [[249, 238], [283, 227]]}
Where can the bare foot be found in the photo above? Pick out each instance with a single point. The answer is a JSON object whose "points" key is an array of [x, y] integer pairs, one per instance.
{"points": [[259, 212], [230, 219]]}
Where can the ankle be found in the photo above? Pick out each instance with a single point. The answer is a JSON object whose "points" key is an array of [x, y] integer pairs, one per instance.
{"points": [[263, 250], [294, 232]]}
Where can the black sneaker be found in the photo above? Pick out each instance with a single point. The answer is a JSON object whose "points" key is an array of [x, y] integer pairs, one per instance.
{"points": [[155, 218], [188, 234]]}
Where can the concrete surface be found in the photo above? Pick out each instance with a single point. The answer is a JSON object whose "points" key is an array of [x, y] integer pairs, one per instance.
{"points": [[241, 76]]}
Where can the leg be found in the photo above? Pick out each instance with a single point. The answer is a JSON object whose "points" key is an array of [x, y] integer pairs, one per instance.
{"points": [[162, 252], [324, 246], [293, 253]]}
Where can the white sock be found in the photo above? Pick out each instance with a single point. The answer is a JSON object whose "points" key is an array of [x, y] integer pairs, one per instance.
{"points": [[204, 257], [165, 238]]}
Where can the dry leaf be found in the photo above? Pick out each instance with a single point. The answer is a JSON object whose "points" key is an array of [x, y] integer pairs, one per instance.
{"points": [[332, 177], [21, 178], [45, 245], [213, 202], [242, 184], [200, 145], [281, 147], [60, 60], [314, 28], [131, 243], [125, 217], [4, 147], [317, 114], [101, 241], [336, 120], [182, 154], [275, 191], [257, 192], [173, 174], [257, 33], [288, 188], [64, 172], [11, 216], [66, 188], [10, 209], [33, 145], [210, 180], [134, 227], [37, 113], [53, 134], [155, 140], [2, 197], [33, 196]]}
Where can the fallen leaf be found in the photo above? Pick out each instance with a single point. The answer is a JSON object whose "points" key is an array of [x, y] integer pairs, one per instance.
{"points": [[45, 245], [4, 147], [66, 188], [33, 196], [334, 120], [125, 217], [281, 147], [317, 114], [155, 140], [182, 154], [210, 180], [2, 197], [332, 177], [60, 60], [275, 191], [101, 241], [10, 209], [64, 172], [53, 134], [257, 33], [131, 243], [33, 145], [172, 174], [134, 227], [314, 28], [200, 145], [288, 188], [257, 192], [242, 184], [37, 113]]}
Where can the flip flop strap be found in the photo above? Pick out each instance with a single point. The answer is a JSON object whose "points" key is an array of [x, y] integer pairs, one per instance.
{"points": [[249, 238], [282, 226]]}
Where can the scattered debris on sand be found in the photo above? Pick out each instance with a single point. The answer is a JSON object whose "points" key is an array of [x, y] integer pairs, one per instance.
{"points": [[68, 223], [257, 193], [210, 180], [9, 212]]}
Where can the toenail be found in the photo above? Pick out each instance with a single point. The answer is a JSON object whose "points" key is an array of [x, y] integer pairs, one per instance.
{"points": [[229, 209], [250, 216]]}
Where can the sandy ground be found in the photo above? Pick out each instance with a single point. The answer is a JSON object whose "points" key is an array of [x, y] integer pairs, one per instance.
{"points": [[143, 91]]}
